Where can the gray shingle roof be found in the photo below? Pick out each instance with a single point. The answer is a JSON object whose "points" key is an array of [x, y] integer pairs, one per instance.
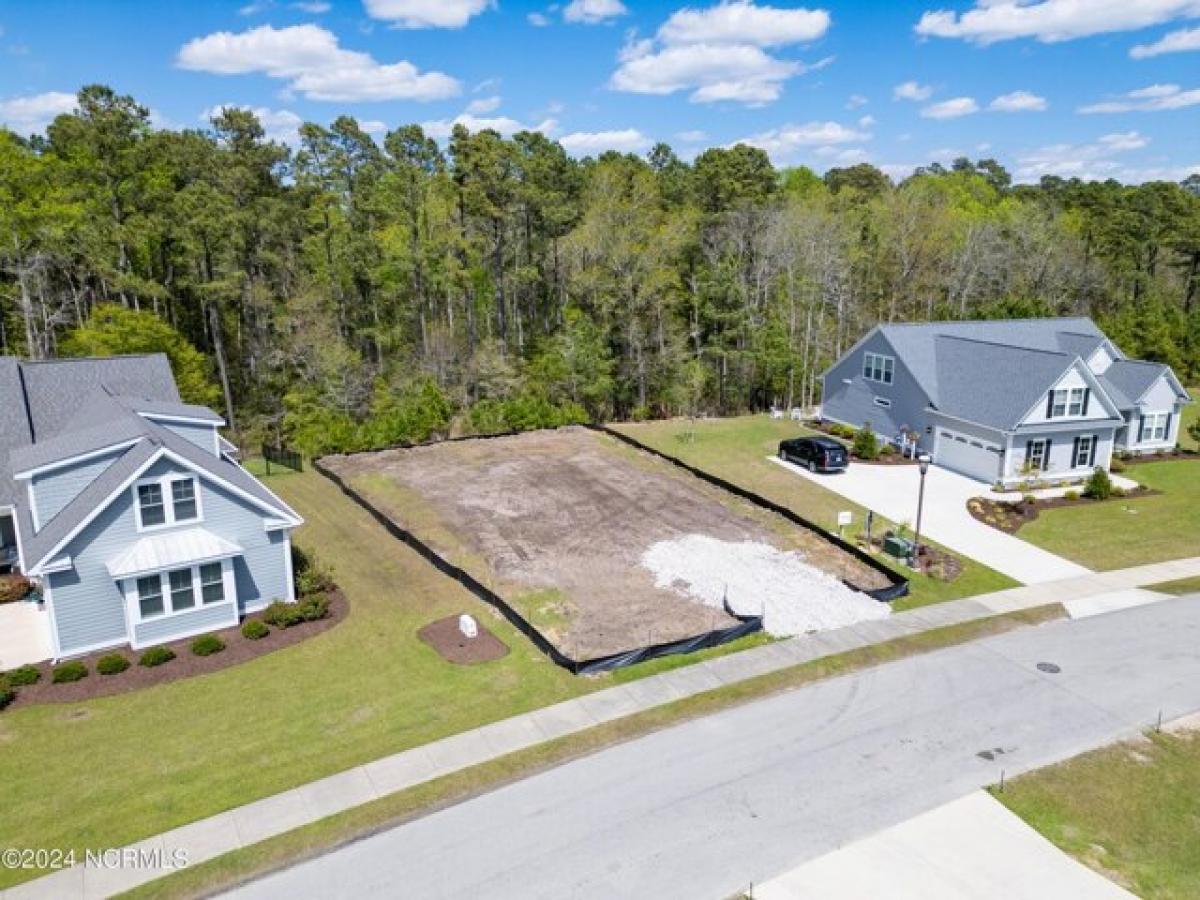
{"points": [[1126, 380], [993, 384], [14, 424]]}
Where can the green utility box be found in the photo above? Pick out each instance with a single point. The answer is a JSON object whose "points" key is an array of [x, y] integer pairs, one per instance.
{"points": [[901, 548]]}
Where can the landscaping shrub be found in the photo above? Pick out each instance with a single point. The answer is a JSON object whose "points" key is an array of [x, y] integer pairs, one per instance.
{"points": [[1071, 495], [866, 444], [112, 664], [23, 676], [69, 671], [1118, 465], [254, 630], [888, 450], [283, 615], [156, 656], [842, 431], [311, 575], [314, 607], [1099, 486], [207, 645], [1028, 499], [1118, 492], [14, 588], [7, 696]]}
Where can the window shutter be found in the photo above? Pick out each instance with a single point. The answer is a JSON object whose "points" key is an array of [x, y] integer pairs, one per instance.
{"points": [[1167, 433], [1075, 453], [1092, 459], [1087, 398], [1141, 428], [1046, 464], [1050, 405], [1028, 451]]}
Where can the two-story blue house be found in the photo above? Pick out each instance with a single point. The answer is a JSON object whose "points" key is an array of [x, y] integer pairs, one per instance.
{"points": [[128, 509], [1006, 400]]}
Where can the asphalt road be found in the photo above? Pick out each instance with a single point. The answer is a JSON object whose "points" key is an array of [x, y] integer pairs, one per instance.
{"points": [[703, 809]]}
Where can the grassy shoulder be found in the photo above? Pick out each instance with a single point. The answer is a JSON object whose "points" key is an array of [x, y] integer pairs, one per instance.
{"points": [[311, 840], [1191, 415], [1128, 811], [736, 449], [1118, 534], [1177, 588]]}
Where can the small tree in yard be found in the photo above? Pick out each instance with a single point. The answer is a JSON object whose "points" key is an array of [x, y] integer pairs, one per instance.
{"points": [[1194, 431], [1099, 486], [866, 444]]}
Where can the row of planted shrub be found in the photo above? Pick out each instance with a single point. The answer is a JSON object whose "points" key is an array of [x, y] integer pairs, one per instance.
{"points": [[278, 614]]}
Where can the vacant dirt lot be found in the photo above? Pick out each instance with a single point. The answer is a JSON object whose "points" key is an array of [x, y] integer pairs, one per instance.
{"points": [[558, 522]]}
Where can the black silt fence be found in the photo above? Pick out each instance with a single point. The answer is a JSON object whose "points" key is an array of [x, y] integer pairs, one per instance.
{"points": [[896, 589], [746, 624], [282, 456]]}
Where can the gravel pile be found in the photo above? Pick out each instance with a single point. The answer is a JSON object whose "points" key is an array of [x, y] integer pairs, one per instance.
{"points": [[792, 596]]}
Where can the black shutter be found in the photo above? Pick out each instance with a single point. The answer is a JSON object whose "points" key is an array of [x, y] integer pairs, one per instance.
{"points": [[1087, 398], [1046, 464], [1167, 433], [1141, 428], [1050, 405], [1092, 459], [1028, 451], [1075, 452]]}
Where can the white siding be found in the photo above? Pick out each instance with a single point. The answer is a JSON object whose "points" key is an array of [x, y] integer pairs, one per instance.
{"points": [[1074, 378]]}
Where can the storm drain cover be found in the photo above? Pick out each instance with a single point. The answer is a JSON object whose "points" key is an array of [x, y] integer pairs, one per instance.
{"points": [[1048, 667]]}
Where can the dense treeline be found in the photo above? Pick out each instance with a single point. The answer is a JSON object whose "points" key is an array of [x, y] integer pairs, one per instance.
{"points": [[354, 292]]}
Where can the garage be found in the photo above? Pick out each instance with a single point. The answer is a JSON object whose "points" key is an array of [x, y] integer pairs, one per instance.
{"points": [[967, 455]]}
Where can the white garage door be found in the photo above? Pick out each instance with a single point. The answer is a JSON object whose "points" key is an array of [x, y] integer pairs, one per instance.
{"points": [[968, 455]]}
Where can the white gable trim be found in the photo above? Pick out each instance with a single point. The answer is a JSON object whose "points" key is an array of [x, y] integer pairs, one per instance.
{"points": [[73, 460], [1174, 383], [162, 453], [183, 420], [1093, 382]]}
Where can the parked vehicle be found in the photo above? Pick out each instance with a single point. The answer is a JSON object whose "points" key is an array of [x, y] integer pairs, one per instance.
{"points": [[817, 454]]}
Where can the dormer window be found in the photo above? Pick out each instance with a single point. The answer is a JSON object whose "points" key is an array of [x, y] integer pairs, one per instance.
{"points": [[166, 501], [1067, 402], [877, 367]]}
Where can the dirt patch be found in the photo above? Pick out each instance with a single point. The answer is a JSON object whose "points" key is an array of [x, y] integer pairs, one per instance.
{"points": [[186, 664], [452, 645], [564, 517]]}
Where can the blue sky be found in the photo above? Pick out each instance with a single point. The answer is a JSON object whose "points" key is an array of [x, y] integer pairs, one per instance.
{"points": [[1112, 91]]}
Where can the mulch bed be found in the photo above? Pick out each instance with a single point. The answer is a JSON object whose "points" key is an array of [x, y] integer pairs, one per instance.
{"points": [[1168, 456], [186, 664], [1009, 517], [892, 459], [453, 646], [935, 563]]}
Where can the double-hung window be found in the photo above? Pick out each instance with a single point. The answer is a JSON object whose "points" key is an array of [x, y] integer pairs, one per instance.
{"points": [[1083, 452], [1037, 456], [183, 593], [877, 367], [1154, 426], [171, 500], [212, 583], [1067, 402], [150, 596]]}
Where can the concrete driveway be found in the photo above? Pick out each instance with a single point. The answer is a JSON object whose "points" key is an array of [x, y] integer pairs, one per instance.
{"points": [[891, 491], [24, 635]]}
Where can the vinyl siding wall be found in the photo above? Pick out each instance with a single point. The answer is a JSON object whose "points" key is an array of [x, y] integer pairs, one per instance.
{"points": [[88, 604], [1161, 398], [853, 403], [54, 490], [203, 436], [1073, 379], [1061, 447]]}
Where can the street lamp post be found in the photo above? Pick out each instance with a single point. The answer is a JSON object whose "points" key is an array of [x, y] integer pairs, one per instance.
{"points": [[923, 465]]}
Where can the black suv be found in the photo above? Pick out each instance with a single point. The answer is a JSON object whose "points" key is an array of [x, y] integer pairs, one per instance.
{"points": [[817, 454]]}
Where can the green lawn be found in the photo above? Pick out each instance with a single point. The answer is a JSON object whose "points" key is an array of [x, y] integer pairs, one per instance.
{"points": [[736, 449], [1128, 811], [1191, 414], [1122, 533], [1177, 588], [112, 771]]}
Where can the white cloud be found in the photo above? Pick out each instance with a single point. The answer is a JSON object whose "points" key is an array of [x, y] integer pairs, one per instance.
{"points": [[856, 100], [951, 109], [866, 122], [373, 126], [1104, 158], [1051, 21], [594, 12], [441, 128], [592, 143], [718, 53], [28, 115], [310, 59], [483, 105], [1018, 101], [784, 143], [911, 90], [537, 20], [1155, 98], [1176, 42], [280, 125], [256, 7], [426, 13], [313, 7], [695, 136]]}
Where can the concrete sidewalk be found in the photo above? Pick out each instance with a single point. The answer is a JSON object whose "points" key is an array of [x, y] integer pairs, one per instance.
{"points": [[891, 491], [246, 825], [972, 847]]}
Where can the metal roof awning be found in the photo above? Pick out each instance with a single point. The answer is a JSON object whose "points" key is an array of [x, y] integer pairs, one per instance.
{"points": [[169, 550]]}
